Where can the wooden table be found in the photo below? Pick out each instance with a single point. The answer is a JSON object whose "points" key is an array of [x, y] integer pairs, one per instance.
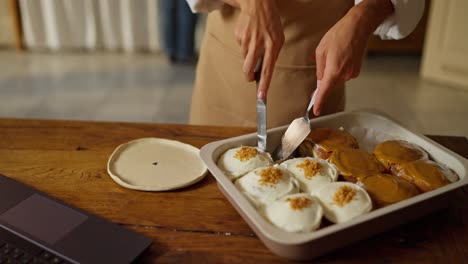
{"points": [[68, 159]]}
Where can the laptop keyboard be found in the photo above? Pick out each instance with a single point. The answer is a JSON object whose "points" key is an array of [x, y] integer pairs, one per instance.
{"points": [[16, 250]]}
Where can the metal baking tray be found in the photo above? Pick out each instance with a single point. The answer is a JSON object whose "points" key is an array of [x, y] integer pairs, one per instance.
{"points": [[305, 246]]}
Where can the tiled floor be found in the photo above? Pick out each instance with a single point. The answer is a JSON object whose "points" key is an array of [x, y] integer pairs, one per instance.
{"points": [[144, 88], [117, 87]]}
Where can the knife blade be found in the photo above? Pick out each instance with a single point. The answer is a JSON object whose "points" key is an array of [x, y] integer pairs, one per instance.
{"points": [[261, 111]]}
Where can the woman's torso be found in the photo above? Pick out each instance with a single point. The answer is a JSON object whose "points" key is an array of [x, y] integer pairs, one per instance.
{"points": [[223, 97], [304, 23]]}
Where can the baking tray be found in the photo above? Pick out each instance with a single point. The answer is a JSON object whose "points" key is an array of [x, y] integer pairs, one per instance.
{"points": [[305, 246]]}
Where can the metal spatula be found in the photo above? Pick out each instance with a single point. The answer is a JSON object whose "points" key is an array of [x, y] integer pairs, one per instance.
{"points": [[295, 134]]}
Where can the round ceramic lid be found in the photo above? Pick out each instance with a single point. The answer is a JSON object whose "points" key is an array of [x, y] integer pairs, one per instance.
{"points": [[156, 164]]}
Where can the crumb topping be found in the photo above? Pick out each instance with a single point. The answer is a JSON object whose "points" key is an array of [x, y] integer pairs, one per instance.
{"points": [[311, 168], [299, 203], [270, 176], [344, 195], [246, 153]]}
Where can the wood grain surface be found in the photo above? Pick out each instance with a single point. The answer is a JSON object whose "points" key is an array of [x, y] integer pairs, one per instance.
{"points": [[67, 160]]}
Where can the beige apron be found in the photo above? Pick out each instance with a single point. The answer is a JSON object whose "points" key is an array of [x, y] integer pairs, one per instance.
{"points": [[223, 97]]}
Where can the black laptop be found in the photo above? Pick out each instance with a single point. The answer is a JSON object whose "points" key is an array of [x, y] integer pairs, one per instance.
{"points": [[35, 228]]}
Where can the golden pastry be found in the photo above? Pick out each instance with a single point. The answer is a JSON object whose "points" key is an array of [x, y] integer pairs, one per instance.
{"points": [[425, 174], [386, 189], [321, 142], [397, 152], [355, 164]]}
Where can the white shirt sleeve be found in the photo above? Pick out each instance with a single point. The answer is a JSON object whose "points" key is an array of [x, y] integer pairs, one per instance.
{"points": [[204, 5], [400, 24], [403, 21]]}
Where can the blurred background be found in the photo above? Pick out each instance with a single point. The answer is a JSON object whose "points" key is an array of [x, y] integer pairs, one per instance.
{"points": [[110, 60]]}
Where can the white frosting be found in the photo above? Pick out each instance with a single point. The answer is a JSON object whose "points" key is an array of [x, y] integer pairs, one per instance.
{"points": [[327, 174], [281, 214], [360, 204], [234, 167], [261, 194]]}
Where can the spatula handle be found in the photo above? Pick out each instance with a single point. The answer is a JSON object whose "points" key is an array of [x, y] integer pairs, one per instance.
{"points": [[258, 70], [312, 100]]}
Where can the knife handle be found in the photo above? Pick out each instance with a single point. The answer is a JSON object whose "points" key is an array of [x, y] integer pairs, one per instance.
{"points": [[258, 70]]}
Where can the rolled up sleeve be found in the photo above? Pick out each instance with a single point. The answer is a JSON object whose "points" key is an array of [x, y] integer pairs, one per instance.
{"points": [[199, 6], [403, 21]]}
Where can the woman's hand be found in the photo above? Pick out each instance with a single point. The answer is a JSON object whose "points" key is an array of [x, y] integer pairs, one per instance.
{"points": [[259, 32], [340, 52]]}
